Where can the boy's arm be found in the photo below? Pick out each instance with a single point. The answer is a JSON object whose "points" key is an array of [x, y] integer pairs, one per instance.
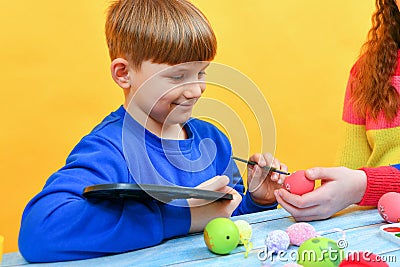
{"points": [[59, 224]]}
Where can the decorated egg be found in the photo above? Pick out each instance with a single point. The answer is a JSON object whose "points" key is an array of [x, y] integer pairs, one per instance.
{"points": [[389, 208], [298, 184], [245, 230], [363, 259], [300, 232], [221, 235], [319, 252], [276, 241]]}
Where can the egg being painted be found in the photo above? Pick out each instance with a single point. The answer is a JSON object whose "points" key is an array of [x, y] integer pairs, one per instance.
{"points": [[389, 208], [221, 235], [298, 184]]}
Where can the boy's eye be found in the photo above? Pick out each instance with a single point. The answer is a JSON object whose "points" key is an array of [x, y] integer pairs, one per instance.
{"points": [[201, 75], [177, 77]]}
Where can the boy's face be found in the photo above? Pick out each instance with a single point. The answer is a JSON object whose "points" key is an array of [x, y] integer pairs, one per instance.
{"points": [[165, 94]]}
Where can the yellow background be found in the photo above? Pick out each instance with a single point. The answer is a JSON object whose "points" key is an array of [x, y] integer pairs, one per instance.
{"points": [[55, 82]]}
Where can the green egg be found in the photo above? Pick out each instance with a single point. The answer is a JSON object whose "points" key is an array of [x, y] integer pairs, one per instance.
{"points": [[319, 252], [221, 235]]}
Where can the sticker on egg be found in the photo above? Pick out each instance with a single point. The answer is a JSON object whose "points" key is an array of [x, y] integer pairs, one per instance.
{"points": [[298, 184], [389, 208]]}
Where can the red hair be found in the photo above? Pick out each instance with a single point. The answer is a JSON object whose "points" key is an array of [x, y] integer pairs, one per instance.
{"points": [[162, 31], [372, 91]]}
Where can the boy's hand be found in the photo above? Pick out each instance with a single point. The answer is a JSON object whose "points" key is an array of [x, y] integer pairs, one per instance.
{"points": [[203, 211], [262, 183]]}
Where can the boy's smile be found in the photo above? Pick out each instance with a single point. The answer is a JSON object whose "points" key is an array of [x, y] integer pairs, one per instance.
{"points": [[184, 105]]}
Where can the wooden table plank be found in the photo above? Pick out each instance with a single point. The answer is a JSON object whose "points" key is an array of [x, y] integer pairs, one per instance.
{"points": [[360, 224], [366, 238]]}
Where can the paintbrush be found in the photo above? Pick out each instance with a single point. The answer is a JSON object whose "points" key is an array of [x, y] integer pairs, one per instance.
{"points": [[267, 168]]}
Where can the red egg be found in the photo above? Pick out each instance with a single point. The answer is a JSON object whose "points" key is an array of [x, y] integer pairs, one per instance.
{"points": [[298, 184], [389, 207]]}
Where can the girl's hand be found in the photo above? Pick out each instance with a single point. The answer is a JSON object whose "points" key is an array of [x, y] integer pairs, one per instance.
{"points": [[340, 188]]}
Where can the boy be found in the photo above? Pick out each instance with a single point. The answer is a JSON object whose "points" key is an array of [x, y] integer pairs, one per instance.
{"points": [[150, 139]]}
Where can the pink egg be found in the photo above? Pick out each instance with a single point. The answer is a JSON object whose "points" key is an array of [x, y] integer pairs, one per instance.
{"points": [[389, 208], [298, 184], [300, 232]]}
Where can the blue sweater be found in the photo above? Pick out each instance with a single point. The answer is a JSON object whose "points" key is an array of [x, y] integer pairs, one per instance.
{"points": [[60, 224]]}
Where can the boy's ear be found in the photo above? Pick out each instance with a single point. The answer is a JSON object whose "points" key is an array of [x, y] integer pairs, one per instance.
{"points": [[120, 72]]}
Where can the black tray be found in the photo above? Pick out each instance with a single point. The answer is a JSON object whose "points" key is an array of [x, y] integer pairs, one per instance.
{"points": [[149, 191]]}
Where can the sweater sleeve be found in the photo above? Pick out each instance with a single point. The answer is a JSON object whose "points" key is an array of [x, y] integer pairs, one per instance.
{"points": [[60, 224], [354, 149], [380, 180]]}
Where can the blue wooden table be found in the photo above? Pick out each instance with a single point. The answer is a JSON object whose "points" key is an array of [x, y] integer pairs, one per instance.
{"points": [[361, 226]]}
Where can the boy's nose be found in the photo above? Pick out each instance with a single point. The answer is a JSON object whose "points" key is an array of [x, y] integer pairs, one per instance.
{"points": [[194, 90]]}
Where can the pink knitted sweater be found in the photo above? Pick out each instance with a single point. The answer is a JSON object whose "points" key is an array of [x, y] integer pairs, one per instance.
{"points": [[372, 146]]}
